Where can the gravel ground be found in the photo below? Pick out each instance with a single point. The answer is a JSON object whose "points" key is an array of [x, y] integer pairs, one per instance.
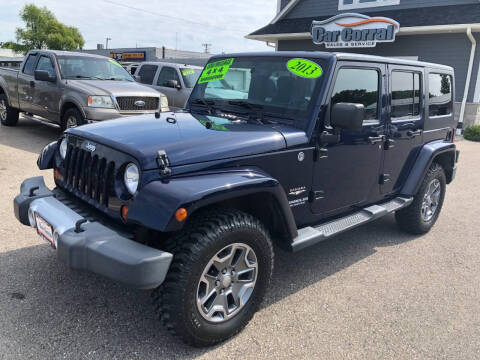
{"points": [[374, 293]]}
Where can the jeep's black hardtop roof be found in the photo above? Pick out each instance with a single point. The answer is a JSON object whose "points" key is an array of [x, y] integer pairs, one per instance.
{"points": [[339, 56]]}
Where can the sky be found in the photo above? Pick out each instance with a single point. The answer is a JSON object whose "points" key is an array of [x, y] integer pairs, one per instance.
{"points": [[185, 24]]}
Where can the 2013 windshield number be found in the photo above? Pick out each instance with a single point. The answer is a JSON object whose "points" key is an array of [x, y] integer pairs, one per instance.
{"points": [[303, 67]]}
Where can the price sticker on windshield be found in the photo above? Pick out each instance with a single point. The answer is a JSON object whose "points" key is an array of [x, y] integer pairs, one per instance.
{"points": [[215, 71], [187, 72], [304, 68], [114, 62]]}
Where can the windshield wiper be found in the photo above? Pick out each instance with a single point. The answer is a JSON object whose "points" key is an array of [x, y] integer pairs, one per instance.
{"points": [[208, 103], [84, 77], [258, 116], [245, 104]]}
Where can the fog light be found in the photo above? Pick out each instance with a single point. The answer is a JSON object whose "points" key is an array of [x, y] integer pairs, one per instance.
{"points": [[124, 212], [31, 218], [181, 214]]}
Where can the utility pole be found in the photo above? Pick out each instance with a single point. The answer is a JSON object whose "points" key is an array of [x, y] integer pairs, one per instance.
{"points": [[106, 42], [207, 48]]}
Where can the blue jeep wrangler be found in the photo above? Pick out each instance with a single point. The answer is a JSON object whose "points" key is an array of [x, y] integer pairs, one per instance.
{"points": [[289, 148]]}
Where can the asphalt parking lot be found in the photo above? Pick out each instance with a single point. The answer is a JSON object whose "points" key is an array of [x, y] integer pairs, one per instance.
{"points": [[374, 293]]}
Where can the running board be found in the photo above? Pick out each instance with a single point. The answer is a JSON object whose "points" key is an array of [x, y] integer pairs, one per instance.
{"points": [[40, 120], [309, 235]]}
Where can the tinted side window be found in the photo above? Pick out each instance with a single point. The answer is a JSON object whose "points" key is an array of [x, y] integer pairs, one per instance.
{"points": [[167, 74], [147, 74], [359, 86], [45, 64], [440, 94], [28, 68], [405, 94]]}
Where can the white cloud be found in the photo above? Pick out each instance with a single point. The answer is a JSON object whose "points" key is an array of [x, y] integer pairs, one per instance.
{"points": [[149, 23]]}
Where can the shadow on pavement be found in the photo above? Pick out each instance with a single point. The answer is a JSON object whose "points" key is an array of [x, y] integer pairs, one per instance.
{"points": [[28, 135], [59, 311]]}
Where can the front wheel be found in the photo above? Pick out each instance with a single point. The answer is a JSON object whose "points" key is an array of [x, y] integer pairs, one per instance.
{"points": [[221, 269], [421, 215], [72, 118]]}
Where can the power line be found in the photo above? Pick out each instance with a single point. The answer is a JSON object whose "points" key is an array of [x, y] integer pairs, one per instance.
{"points": [[163, 15]]}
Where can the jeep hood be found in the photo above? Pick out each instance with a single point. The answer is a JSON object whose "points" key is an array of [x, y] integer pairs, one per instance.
{"points": [[111, 87], [188, 138]]}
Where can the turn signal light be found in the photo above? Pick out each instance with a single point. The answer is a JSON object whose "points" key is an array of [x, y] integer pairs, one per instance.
{"points": [[55, 174], [181, 214], [124, 212]]}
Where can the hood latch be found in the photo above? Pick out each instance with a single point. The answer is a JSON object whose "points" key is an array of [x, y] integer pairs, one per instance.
{"points": [[163, 163]]}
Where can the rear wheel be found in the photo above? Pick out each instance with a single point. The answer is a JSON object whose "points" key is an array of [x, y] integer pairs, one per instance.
{"points": [[221, 269], [8, 115], [421, 215], [72, 118]]}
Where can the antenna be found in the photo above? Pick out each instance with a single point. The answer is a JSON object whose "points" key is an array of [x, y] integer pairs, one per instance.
{"points": [[207, 48]]}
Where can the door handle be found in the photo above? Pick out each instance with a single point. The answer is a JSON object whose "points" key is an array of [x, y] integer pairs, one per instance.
{"points": [[32, 83], [376, 139], [411, 133]]}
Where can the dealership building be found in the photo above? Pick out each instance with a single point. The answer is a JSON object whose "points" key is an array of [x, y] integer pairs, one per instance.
{"points": [[439, 31]]}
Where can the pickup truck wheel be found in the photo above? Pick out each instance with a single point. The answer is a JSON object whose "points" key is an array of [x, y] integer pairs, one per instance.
{"points": [[421, 215], [8, 115], [221, 268], [72, 118]]}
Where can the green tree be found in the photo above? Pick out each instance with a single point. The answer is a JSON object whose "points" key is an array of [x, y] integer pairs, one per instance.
{"points": [[43, 31]]}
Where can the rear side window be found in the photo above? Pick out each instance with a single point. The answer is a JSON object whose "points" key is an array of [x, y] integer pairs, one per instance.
{"points": [[29, 64], [147, 74], [440, 94], [405, 95], [45, 64], [359, 86], [167, 73]]}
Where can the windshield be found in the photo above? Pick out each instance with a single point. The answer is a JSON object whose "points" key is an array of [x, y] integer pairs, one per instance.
{"points": [[83, 67], [190, 76], [282, 87]]}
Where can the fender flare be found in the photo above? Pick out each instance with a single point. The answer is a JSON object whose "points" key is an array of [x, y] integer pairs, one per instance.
{"points": [[69, 99], [446, 151], [155, 205], [46, 159]]}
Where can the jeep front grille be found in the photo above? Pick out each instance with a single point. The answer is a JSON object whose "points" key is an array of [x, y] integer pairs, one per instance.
{"points": [[127, 103], [91, 176]]}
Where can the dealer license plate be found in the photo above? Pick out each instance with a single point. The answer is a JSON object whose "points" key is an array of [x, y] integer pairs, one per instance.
{"points": [[45, 230]]}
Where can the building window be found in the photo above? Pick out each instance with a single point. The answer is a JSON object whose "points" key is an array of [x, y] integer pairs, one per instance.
{"points": [[405, 95], [358, 86], [440, 94], [359, 4]]}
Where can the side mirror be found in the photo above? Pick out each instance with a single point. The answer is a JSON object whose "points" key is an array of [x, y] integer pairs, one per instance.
{"points": [[348, 116], [174, 84], [42, 75]]}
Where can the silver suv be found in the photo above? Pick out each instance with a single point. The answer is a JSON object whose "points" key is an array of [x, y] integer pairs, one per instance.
{"points": [[176, 81]]}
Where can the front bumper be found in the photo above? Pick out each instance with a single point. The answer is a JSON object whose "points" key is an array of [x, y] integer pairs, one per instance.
{"points": [[94, 247]]}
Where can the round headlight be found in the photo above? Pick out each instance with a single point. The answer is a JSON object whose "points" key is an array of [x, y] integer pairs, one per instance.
{"points": [[131, 177], [63, 148]]}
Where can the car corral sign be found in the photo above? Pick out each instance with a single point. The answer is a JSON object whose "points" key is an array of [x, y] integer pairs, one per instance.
{"points": [[354, 30]]}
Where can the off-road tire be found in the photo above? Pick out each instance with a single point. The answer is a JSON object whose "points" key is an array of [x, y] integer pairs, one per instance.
{"points": [[11, 118], [72, 113], [202, 238], [410, 218]]}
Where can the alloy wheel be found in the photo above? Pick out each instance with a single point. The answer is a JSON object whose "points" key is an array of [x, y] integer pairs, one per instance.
{"points": [[3, 110], [227, 282], [431, 200], [71, 122]]}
